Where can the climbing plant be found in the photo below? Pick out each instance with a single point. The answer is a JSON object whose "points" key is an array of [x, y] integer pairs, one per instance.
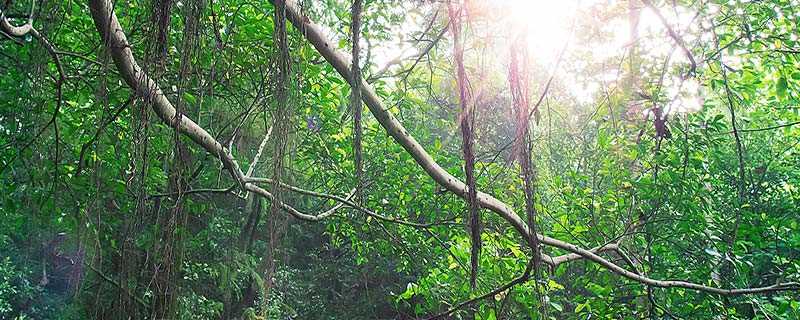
{"points": [[399, 159]]}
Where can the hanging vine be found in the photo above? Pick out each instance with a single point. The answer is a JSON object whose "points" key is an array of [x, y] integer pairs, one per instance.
{"points": [[355, 97], [518, 77], [210, 240], [466, 123], [282, 117]]}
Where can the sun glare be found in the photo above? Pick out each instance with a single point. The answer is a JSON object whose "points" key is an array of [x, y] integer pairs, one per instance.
{"points": [[548, 28], [547, 24]]}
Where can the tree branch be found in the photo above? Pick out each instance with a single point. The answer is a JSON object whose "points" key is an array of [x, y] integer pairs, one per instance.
{"points": [[314, 34], [674, 35], [114, 38], [353, 205], [522, 278], [17, 31]]}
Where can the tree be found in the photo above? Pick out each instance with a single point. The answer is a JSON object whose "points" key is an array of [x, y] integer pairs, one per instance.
{"points": [[619, 198]]}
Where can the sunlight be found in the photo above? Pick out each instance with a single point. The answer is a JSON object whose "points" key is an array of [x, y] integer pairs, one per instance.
{"points": [[548, 29], [254, 160], [547, 24]]}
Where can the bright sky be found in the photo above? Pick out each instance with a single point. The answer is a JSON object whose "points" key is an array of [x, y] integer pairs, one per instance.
{"points": [[549, 26]]}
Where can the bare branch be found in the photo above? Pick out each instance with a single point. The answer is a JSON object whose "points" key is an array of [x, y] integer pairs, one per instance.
{"points": [[115, 40], [353, 205], [17, 31], [674, 35], [339, 61]]}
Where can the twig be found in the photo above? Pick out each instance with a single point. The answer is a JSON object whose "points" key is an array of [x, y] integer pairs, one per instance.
{"points": [[193, 191], [351, 204], [116, 284], [91, 141], [522, 278], [767, 128], [674, 35]]}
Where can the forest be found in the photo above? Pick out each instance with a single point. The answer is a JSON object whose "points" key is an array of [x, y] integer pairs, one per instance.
{"points": [[400, 159]]}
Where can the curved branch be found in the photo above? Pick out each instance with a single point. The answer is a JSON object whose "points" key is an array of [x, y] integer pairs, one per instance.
{"points": [[17, 31], [291, 210], [353, 205], [114, 39], [556, 261], [522, 278], [314, 34], [387, 120]]}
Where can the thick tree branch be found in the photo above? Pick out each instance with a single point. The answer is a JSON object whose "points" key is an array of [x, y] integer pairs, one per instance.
{"points": [[114, 38], [339, 61], [17, 31]]}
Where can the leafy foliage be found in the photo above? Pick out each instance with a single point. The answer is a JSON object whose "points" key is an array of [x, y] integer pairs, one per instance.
{"points": [[107, 212]]}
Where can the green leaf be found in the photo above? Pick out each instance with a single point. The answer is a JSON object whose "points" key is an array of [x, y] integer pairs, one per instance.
{"points": [[410, 291], [781, 87], [189, 98], [552, 285]]}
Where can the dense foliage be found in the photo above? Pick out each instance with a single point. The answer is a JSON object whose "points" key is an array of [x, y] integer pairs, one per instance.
{"points": [[664, 134]]}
